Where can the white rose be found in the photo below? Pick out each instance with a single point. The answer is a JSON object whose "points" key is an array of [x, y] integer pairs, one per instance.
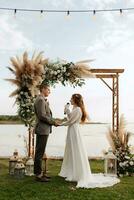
{"points": [[121, 164], [61, 79], [56, 66], [127, 157], [131, 163]]}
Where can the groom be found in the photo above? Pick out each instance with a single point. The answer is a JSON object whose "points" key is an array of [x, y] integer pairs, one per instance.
{"points": [[43, 128]]}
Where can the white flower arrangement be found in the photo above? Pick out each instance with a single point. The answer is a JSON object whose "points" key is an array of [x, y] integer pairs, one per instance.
{"points": [[125, 161], [66, 73]]}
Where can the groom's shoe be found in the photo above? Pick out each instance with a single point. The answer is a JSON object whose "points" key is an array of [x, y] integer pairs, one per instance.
{"points": [[41, 179], [45, 175]]}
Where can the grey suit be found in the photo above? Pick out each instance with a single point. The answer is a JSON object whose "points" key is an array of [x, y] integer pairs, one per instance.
{"points": [[43, 128]]}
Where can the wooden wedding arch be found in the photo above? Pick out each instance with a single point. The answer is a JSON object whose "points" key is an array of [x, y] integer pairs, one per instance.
{"points": [[102, 74]]}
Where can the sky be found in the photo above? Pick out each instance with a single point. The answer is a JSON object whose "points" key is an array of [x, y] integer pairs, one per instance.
{"points": [[108, 38]]}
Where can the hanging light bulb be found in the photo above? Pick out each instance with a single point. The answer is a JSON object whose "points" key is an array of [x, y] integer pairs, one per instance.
{"points": [[121, 12], [94, 13], [15, 12], [68, 14], [41, 13]]}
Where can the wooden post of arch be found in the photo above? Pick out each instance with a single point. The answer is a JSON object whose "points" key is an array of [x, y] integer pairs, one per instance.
{"points": [[30, 142], [115, 123]]}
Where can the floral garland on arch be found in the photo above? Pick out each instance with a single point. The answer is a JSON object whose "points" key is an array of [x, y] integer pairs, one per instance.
{"points": [[30, 73], [66, 73]]}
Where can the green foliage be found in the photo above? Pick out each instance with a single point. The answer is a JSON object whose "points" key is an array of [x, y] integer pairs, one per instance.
{"points": [[25, 103]]}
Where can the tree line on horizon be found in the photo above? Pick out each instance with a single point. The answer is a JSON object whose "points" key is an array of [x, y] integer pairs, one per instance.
{"points": [[9, 118]]}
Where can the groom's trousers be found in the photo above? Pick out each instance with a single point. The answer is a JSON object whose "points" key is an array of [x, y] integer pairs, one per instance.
{"points": [[41, 141]]}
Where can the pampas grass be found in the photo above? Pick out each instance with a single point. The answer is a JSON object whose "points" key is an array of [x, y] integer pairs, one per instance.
{"points": [[82, 70], [119, 139], [119, 144], [27, 71], [28, 74]]}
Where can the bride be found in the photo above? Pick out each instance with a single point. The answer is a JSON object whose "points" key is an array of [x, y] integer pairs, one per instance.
{"points": [[75, 166]]}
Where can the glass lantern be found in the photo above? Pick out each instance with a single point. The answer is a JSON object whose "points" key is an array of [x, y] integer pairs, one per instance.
{"points": [[12, 162], [110, 164], [19, 170], [29, 168]]}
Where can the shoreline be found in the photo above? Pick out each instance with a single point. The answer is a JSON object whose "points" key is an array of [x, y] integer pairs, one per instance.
{"points": [[10, 122], [2, 122], [59, 157]]}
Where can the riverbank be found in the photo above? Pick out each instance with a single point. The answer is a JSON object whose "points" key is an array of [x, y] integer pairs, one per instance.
{"points": [[20, 122], [58, 158], [10, 122]]}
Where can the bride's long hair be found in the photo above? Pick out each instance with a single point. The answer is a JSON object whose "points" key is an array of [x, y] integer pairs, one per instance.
{"points": [[78, 100]]}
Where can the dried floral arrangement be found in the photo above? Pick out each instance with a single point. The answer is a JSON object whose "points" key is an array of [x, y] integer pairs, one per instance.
{"points": [[119, 142]]}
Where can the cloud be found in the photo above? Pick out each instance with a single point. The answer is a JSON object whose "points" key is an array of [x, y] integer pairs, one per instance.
{"points": [[97, 4], [75, 4], [63, 4], [16, 39], [114, 32]]}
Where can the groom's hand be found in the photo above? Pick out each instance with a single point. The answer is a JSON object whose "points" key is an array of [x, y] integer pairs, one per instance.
{"points": [[57, 123]]}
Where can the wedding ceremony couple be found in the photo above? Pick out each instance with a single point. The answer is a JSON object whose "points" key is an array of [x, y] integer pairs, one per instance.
{"points": [[75, 166]]}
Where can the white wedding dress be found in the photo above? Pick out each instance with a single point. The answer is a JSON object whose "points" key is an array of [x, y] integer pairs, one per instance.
{"points": [[75, 166]]}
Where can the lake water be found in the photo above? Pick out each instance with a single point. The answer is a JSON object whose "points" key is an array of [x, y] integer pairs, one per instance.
{"points": [[94, 136]]}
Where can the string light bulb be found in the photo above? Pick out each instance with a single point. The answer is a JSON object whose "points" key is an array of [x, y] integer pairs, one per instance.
{"points": [[94, 13], [15, 12], [41, 13], [68, 14], [121, 12]]}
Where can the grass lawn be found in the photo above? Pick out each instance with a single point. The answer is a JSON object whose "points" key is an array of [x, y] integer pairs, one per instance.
{"points": [[58, 189]]}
